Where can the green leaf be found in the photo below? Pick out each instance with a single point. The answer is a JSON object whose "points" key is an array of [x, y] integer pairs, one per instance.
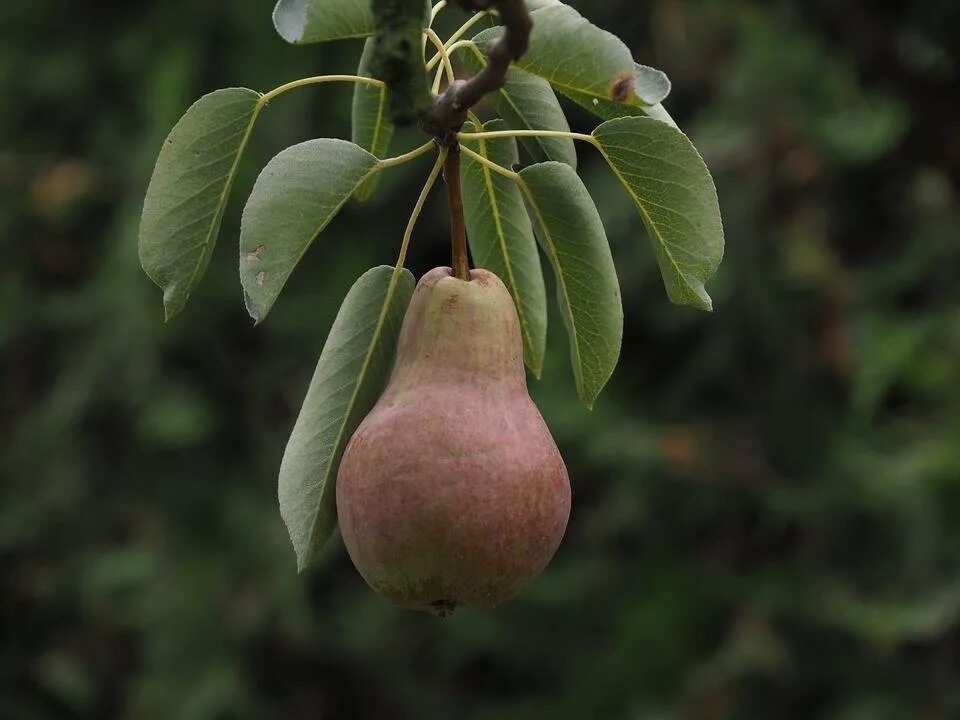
{"points": [[501, 238], [571, 234], [672, 188], [298, 193], [350, 376], [371, 128], [527, 102], [188, 192], [311, 21], [610, 109], [577, 56]]}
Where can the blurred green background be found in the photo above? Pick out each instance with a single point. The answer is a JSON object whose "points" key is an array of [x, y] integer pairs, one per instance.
{"points": [[766, 516]]}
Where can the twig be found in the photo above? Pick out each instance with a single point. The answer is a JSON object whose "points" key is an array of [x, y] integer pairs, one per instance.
{"points": [[449, 111]]}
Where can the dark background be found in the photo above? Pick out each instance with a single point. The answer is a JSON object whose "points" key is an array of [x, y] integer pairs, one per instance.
{"points": [[766, 519]]}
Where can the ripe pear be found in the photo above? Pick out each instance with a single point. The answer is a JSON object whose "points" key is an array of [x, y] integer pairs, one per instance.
{"points": [[452, 490]]}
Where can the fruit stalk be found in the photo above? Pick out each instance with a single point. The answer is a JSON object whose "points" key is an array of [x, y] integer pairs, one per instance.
{"points": [[458, 228]]}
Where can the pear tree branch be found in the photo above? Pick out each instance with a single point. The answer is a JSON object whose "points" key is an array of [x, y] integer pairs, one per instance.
{"points": [[448, 112]]}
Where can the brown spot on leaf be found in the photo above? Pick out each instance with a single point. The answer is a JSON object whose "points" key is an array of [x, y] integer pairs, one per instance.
{"points": [[622, 89], [256, 254], [261, 278]]}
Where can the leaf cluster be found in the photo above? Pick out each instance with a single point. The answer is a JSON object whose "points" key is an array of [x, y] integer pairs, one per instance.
{"points": [[514, 203]]}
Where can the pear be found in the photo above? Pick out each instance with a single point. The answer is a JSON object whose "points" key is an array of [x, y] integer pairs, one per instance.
{"points": [[452, 490]]}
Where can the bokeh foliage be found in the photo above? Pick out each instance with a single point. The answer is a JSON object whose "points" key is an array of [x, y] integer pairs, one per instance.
{"points": [[767, 500]]}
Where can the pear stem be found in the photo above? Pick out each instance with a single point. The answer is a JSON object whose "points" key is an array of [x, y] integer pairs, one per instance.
{"points": [[458, 228]]}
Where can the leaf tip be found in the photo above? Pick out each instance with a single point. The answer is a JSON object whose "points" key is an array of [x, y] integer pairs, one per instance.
{"points": [[694, 297], [171, 310], [252, 311], [701, 300], [587, 395]]}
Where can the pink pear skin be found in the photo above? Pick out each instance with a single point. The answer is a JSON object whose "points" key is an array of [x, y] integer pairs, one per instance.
{"points": [[452, 490]]}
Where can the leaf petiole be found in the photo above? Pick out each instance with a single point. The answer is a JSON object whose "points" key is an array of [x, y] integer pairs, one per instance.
{"points": [[453, 39], [442, 52], [490, 164], [406, 157], [436, 10], [317, 80], [458, 45], [477, 122], [529, 133], [417, 210]]}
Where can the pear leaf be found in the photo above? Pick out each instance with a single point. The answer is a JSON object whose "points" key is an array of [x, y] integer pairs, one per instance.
{"points": [[301, 22], [298, 193], [189, 189], [577, 56], [350, 376], [672, 188], [571, 234]]}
